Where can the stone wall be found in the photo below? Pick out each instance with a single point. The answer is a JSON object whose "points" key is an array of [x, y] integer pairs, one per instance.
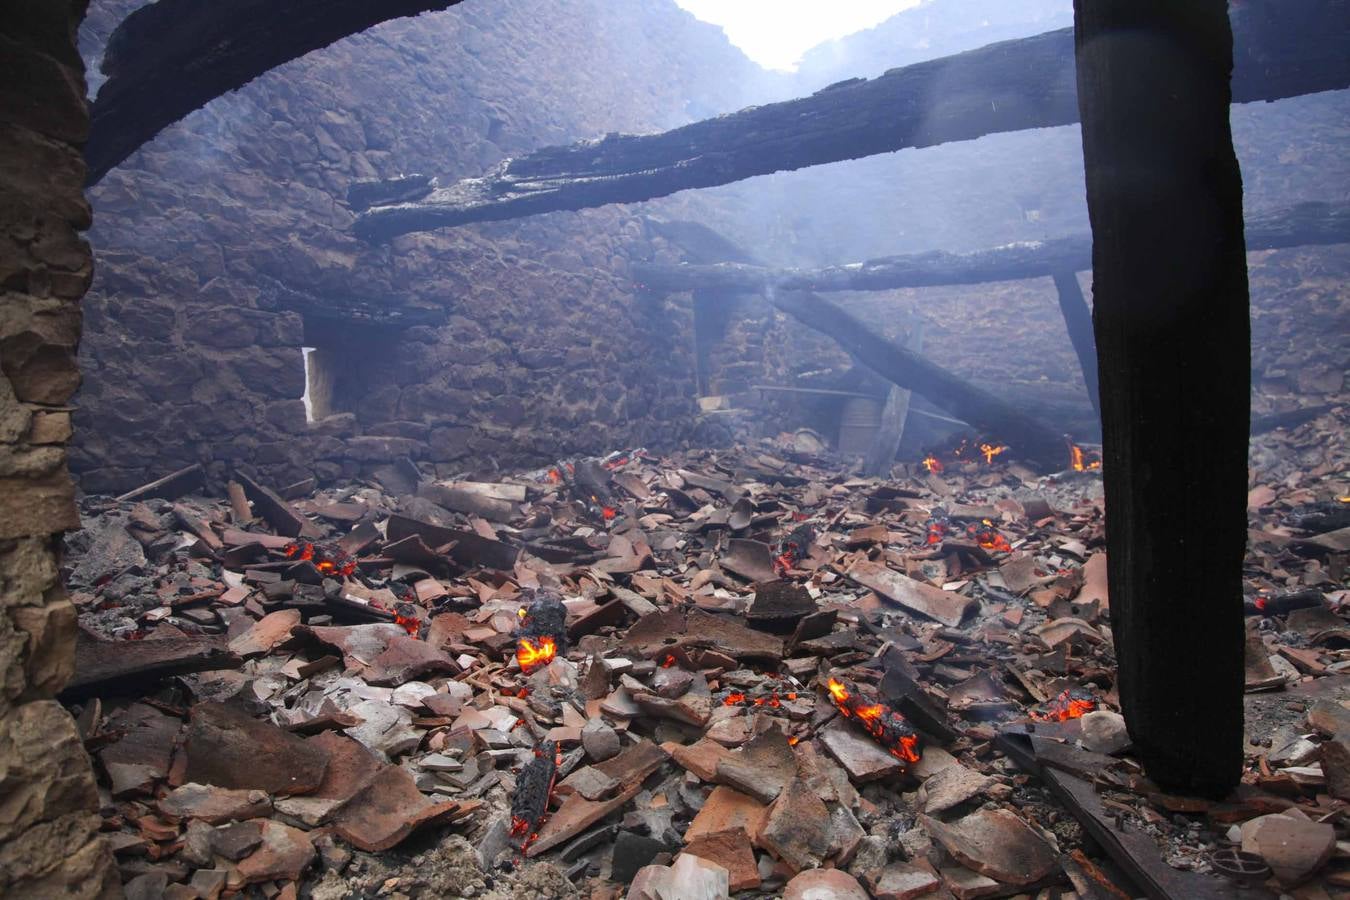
{"points": [[222, 249], [49, 824]]}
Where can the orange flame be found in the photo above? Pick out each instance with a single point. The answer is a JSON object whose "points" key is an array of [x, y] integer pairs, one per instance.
{"points": [[733, 699], [991, 450], [669, 661], [609, 512], [1072, 703], [1080, 464], [532, 656], [932, 464], [879, 722], [410, 624]]}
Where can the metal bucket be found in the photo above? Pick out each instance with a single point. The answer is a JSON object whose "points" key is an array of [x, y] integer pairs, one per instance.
{"points": [[859, 421]]}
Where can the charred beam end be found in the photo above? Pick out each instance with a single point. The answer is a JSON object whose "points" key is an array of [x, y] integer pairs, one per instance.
{"points": [[349, 308], [173, 56], [1305, 224], [362, 195], [1170, 315], [1285, 48]]}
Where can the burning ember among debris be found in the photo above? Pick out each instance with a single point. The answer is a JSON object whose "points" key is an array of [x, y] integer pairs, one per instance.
{"points": [[772, 699], [886, 726], [1081, 460], [793, 549], [1071, 703], [988, 537], [935, 529], [534, 790], [328, 559], [543, 631], [965, 451]]}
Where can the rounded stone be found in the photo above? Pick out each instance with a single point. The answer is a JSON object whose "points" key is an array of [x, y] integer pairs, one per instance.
{"points": [[1104, 732], [824, 884], [600, 741]]}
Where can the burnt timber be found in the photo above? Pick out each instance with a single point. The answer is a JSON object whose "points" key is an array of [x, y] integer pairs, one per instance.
{"points": [[173, 56], [1302, 225], [1172, 330], [1284, 49], [1030, 440]]}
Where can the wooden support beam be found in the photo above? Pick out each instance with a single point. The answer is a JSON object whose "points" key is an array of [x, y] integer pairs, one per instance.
{"points": [[1288, 47], [1171, 321], [173, 56], [1307, 223], [1030, 440], [1078, 322]]}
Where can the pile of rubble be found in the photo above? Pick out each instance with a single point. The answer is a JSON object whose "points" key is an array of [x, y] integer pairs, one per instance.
{"points": [[739, 672]]}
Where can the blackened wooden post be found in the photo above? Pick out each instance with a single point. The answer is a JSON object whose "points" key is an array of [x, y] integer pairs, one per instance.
{"points": [[1170, 315], [1078, 321]]}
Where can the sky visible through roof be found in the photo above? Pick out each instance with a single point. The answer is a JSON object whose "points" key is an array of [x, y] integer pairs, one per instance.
{"points": [[775, 33]]}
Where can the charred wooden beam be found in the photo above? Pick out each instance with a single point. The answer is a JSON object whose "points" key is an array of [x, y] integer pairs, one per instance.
{"points": [[173, 56], [1078, 322], [1170, 313], [109, 668], [1030, 440], [1287, 48], [1301, 225]]}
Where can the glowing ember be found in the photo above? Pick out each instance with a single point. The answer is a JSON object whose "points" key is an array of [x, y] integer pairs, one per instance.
{"points": [[772, 700], [990, 451], [935, 529], [532, 655], [405, 616], [328, 559], [932, 464], [793, 549], [554, 476], [988, 537], [543, 631], [609, 512], [534, 791], [1072, 703], [668, 661], [886, 726]]}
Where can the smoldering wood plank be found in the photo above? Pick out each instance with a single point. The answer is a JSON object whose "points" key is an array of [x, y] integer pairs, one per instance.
{"points": [[173, 56], [1304, 224], [1284, 48]]}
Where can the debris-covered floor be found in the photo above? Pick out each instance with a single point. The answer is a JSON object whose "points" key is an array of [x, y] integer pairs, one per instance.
{"points": [[734, 672]]}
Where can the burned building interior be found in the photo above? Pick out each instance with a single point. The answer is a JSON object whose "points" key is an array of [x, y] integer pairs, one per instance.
{"points": [[533, 449]]}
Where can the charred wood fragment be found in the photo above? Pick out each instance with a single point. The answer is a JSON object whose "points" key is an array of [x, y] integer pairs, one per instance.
{"points": [[1171, 322], [1078, 322], [1287, 48]]}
